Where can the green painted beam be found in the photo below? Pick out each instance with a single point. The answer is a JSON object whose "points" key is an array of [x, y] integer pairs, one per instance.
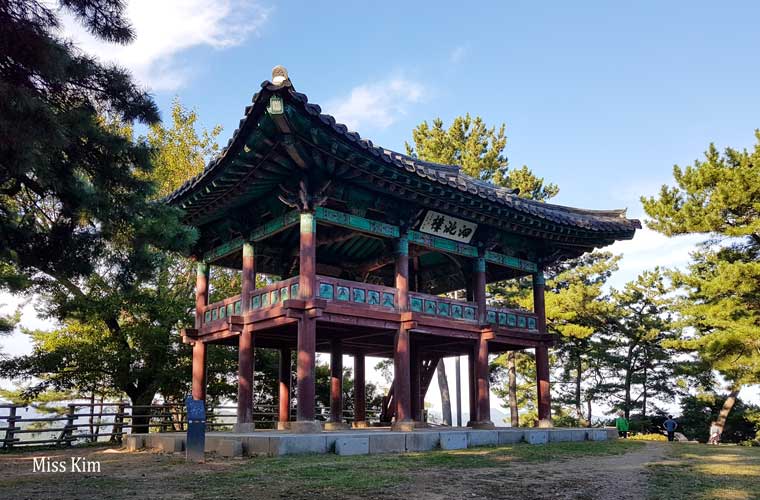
{"points": [[510, 262], [276, 225], [217, 253], [442, 244], [357, 223]]}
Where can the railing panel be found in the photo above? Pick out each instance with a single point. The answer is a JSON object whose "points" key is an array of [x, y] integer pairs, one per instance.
{"points": [[273, 294], [222, 309], [443, 307], [354, 292], [512, 318]]}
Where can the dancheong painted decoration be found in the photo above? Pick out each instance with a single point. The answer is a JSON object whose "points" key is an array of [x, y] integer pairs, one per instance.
{"points": [[367, 252]]}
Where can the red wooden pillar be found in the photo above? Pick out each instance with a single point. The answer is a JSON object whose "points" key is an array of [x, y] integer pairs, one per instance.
{"points": [[402, 355], [336, 386], [199, 370], [199, 348], [483, 389], [245, 347], [360, 394], [479, 287], [284, 413], [201, 292], [473, 387], [415, 373], [542, 354], [307, 329]]}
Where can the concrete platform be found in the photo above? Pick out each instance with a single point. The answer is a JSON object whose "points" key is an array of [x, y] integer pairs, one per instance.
{"points": [[375, 440]]}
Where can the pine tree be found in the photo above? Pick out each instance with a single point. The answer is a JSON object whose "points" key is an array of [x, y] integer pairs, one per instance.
{"points": [[718, 197]]}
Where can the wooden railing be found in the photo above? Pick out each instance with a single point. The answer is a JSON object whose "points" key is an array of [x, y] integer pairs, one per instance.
{"points": [[512, 318], [354, 292], [221, 310], [88, 422], [443, 307], [274, 294]]}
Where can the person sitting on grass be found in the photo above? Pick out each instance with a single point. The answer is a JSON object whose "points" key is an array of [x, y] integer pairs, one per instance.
{"points": [[670, 426], [622, 425], [714, 434]]}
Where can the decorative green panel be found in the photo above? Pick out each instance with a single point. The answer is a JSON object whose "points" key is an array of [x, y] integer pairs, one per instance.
{"points": [[532, 324], [359, 295], [284, 293], [275, 296], [343, 293], [442, 244], [357, 223], [207, 316], [264, 300], [276, 225], [326, 291], [502, 319], [511, 320], [430, 307], [443, 309], [223, 250], [294, 290], [469, 312], [491, 316], [222, 312], [388, 300], [456, 311], [521, 322], [511, 262], [416, 304], [230, 309], [373, 298], [256, 302], [214, 314], [238, 307]]}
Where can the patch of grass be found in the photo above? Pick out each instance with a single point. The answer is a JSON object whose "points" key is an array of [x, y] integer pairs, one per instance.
{"points": [[697, 471]]}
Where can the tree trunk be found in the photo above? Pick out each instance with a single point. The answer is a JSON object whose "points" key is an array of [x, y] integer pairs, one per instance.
{"points": [[727, 406], [141, 411], [511, 366], [644, 395], [588, 424], [578, 376], [443, 385]]}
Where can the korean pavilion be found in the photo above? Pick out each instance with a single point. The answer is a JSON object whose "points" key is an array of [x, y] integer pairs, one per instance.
{"points": [[361, 246]]}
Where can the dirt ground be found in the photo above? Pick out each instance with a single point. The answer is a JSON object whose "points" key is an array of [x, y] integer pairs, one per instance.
{"points": [[151, 475]]}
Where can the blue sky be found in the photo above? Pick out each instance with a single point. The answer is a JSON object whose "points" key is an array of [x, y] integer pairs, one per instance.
{"points": [[601, 98]]}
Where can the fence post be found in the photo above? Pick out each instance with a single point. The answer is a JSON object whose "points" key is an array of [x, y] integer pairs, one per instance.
{"points": [[68, 432], [8, 443]]}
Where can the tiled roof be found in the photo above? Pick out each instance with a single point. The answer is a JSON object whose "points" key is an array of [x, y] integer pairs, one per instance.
{"points": [[606, 221]]}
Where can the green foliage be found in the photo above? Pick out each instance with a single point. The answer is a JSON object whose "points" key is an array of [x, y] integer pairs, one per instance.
{"points": [[479, 150], [718, 197], [698, 412]]}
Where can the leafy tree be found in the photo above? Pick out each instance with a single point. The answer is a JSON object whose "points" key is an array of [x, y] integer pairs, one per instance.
{"points": [[698, 412], [7, 325], [720, 198], [479, 150]]}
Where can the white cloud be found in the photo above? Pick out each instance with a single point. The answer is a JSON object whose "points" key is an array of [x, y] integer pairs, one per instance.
{"points": [[376, 105], [458, 54], [166, 28], [649, 249]]}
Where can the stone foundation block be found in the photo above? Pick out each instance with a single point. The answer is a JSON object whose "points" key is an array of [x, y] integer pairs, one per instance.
{"points": [[230, 448], [387, 443], [422, 441], [537, 437], [453, 440], [597, 435], [351, 446], [297, 445], [510, 436], [482, 438], [170, 444], [135, 442]]}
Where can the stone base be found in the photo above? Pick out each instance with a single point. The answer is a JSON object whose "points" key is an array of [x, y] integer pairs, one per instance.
{"points": [[481, 424], [246, 427], [305, 427], [403, 426], [283, 426], [545, 423], [360, 424], [336, 426]]}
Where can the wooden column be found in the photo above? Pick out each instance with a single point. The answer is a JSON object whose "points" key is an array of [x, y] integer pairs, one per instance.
{"points": [[284, 413], [245, 381], [336, 386], [473, 388], [199, 370], [542, 354], [245, 347], [402, 353], [402, 273], [479, 286], [481, 380], [307, 329], [415, 384], [458, 384], [201, 291], [360, 393]]}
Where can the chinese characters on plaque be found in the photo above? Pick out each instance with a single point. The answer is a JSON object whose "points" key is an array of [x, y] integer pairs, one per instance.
{"points": [[448, 227]]}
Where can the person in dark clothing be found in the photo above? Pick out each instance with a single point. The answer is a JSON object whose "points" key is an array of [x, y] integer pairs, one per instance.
{"points": [[670, 426]]}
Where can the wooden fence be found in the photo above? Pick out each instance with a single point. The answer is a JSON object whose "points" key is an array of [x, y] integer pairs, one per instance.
{"points": [[92, 422]]}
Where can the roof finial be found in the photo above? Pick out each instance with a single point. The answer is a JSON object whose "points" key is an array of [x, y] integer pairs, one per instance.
{"points": [[279, 75]]}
